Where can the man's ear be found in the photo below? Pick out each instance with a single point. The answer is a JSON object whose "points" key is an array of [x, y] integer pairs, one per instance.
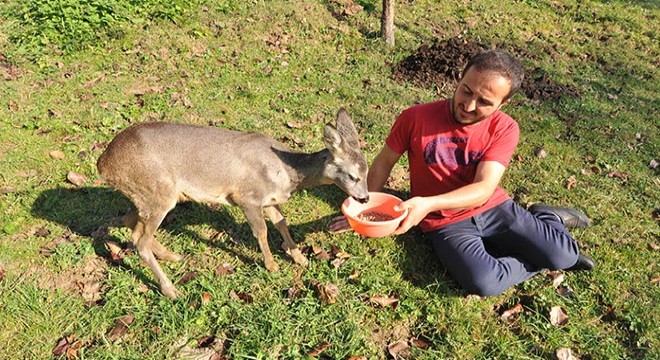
{"points": [[504, 103]]}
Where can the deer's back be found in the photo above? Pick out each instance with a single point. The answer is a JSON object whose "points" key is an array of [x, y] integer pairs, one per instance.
{"points": [[200, 163]]}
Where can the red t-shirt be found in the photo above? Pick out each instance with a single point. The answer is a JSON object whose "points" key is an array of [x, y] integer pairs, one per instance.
{"points": [[443, 154]]}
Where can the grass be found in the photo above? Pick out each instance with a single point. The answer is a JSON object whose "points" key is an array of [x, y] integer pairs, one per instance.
{"points": [[261, 65]]}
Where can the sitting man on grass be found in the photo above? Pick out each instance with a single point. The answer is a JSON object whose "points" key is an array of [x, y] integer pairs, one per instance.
{"points": [[458, 150]]}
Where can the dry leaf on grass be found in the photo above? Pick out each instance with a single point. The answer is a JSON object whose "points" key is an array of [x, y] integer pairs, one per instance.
{"points": [[565, 291], [571, 182], [225, 269], [385, 301], [67, 346], [399, 348], [557, 316], [2, 272], [356, 358], [327, 292], [354, 274], [56, 154], [187, 277], [208, 348], [115, 251], [75, 178], [318, 350], [121, 327], [512, 314], [241, 296], [206, 298], [556, 277], [565, 354]]}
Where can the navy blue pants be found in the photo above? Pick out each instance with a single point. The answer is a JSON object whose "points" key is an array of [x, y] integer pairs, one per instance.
{"points": [[528, 242]]}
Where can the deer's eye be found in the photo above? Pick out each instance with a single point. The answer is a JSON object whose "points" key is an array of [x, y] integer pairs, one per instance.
{"points": [[353, 178]]}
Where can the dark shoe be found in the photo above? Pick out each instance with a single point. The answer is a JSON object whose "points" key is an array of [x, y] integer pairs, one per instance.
{"points": [[583, 263], [571, 218]]}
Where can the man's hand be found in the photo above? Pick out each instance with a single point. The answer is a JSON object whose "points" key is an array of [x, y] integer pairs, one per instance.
{"points": [[418, 208], [339, 224]]}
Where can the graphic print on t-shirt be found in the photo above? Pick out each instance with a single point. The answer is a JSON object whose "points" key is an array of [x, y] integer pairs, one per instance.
{"points": [[447, 151]]}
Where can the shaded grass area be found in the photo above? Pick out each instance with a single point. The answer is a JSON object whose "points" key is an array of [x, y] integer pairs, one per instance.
{"points": [[284, 69]]}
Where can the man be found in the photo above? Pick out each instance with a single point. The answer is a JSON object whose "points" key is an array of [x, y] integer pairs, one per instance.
{"points": [[458, 150]]}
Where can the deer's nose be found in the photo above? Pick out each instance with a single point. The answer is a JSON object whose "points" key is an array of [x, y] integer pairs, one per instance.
{"points": [[363, 200]]}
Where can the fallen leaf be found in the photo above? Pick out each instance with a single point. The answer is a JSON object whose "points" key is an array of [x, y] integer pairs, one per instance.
{"points": [[316, 249], [399, 348], [209, 348], [338, 262], [121, 327], [206, 298], [187, 277], [7, 189], [94, 81], [654, 246], [241, 296], [67, 346], [42, 232], [571, 182], [57, 154], [384, 301], [556, 277], [557, 316], [28, 173], [354, 274], [225, 269], [655, 280], [565, 291], [76, 178], [2, 272], [619, 175], [419, 343], [318, 350], [327, 292], [565, 354], [323, 255], [356, 358], [654, 164], [540, 153], [512, 314]]}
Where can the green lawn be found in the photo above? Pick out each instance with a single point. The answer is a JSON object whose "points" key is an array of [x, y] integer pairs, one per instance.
{"points": [[77, 72]]}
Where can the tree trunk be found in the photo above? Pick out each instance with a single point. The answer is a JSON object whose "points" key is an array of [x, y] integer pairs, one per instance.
{"points": [[387, 22]]}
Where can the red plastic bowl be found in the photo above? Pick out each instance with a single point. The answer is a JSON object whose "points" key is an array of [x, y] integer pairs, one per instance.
{"points": [[381, 203]]}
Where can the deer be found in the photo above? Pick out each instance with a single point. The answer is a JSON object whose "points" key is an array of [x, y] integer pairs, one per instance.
{"points": [[159, 164]]}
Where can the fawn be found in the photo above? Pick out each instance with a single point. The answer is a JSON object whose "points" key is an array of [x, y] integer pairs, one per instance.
{"points": [[158, 164]]}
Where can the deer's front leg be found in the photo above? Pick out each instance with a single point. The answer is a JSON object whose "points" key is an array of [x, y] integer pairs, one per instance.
{"points": [[289, 246], [257, 223]]}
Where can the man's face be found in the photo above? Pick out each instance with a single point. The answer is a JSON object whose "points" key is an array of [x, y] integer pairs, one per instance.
{"points": [[478, 95]]}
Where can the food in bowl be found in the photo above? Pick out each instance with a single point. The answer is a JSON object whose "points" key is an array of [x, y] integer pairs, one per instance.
{"points": [[375, 218]]}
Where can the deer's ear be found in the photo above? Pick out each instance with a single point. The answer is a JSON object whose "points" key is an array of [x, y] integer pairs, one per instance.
{"points": [[332, 139], [346, 128]]}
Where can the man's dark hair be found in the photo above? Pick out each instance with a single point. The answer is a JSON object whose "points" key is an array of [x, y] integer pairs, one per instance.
{"points": [[500, 63]]}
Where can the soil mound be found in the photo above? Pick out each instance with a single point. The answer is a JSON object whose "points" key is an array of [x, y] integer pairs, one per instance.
{"points": [[441, 63]]}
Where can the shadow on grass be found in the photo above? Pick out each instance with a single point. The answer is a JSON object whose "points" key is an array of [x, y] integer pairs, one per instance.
{"points": [[89, 211]]}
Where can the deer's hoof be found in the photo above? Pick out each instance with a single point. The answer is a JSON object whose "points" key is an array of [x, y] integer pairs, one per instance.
{"points": [[170, 292], [272, 266], [174, 257], [299, 258]]}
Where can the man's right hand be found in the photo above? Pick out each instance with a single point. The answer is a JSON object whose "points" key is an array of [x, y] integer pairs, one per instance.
{"points": [[339, 224]]}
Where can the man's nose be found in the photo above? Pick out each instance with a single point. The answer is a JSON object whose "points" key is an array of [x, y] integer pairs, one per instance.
{"points": [[470, 105]]}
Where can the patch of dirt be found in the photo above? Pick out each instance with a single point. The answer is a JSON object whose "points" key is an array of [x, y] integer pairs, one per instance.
{"points": [[85, 279], [441, 64]]}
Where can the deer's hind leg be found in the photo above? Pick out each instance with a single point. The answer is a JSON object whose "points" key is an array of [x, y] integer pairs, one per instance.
{"points": [[289, 246], [161, 252]]}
